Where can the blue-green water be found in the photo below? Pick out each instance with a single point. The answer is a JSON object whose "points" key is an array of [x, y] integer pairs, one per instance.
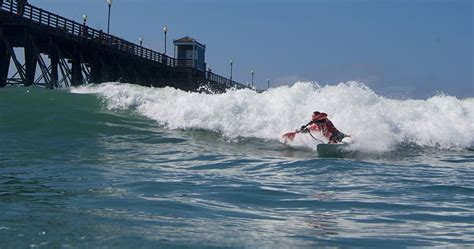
{"points": [[76, 171]]}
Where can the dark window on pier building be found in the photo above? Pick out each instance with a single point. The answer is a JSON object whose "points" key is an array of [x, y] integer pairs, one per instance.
{"points": [[190, 52]]}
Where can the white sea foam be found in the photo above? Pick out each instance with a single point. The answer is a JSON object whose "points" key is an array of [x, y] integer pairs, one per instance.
{"points": [[375, 122]]}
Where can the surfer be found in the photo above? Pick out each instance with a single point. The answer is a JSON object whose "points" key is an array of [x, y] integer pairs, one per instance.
{"points": [[320, 123]]}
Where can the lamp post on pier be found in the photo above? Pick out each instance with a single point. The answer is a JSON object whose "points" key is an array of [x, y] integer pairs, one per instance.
{"points": [[83, 31], [231, 63], [84, 18], [165, 30], [140, 39], [109, 2], [253, 72]]}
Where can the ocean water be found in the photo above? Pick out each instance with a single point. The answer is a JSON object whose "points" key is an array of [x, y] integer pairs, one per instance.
{"points": [[124, 166]]}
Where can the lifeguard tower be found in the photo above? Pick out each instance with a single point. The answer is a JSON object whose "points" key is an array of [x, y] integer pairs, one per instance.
{"points": [[190, 52]]}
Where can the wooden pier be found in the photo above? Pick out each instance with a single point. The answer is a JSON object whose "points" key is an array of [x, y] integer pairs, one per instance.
{"points": [[69, 53]]}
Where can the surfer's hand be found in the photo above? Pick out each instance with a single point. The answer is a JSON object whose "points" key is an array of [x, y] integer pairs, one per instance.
{"points": [[303, 128]]}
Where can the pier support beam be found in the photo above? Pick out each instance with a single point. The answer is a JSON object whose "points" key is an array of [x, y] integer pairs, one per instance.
{"points": [[4, 63], [30, 63], [54, 70], [54, 61], [76, 69], [96, 70]]}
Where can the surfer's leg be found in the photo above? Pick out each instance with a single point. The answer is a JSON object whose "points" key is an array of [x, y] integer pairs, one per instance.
{"points": [[336, 137]]}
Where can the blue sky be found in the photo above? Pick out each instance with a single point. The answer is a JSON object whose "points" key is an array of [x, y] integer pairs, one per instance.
{"points": [[398, 48]]}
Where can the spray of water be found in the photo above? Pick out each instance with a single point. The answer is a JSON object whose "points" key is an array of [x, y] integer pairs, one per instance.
{"points": [[376, 123]]}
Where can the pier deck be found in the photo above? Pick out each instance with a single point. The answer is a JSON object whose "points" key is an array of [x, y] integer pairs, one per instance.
{"points": [[69, 53]]}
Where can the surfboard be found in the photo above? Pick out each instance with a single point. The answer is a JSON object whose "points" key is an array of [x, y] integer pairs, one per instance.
{"points": [[334, 150]]}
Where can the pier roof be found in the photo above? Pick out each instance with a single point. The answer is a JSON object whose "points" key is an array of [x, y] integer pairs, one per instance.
{"points": [[187, 40]]}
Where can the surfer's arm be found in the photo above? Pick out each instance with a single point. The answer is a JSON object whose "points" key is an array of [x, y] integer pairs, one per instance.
{"points": [[313, 127], [305, 127]]}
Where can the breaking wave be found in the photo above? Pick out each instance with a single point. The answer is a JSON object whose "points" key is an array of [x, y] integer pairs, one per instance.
{"points": [[375, 122]]}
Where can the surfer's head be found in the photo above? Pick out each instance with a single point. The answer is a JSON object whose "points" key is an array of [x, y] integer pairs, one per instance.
{"points": [[318, 115]]}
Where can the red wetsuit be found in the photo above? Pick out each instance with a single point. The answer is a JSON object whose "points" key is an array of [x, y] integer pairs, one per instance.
{"points": [[322, 124]]}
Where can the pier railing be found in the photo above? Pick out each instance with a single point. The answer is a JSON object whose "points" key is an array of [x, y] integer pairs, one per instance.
{"points": [[224, 81], [83, 33]]}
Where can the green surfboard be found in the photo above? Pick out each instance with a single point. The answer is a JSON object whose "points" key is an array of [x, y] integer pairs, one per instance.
{"points": [[334, 150]]}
